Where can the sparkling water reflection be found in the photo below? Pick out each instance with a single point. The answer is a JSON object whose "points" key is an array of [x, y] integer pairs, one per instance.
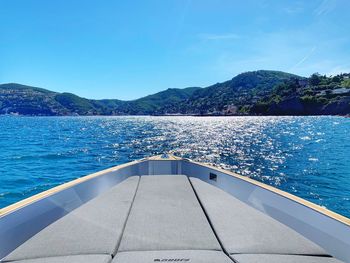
{"points": [[306, 156]]}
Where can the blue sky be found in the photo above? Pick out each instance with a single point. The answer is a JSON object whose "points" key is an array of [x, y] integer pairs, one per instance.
{"points": [[128, 49]]}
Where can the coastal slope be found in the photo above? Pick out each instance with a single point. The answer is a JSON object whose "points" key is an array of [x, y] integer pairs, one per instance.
{"points": [[262, 92]]}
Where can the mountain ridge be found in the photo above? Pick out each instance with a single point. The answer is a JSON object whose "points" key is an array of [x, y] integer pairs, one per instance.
{"points": [[262, 92]]}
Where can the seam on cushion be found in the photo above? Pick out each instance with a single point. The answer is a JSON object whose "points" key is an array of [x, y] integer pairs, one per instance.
{"points": [[284, 254], [115, 251], [208, 219], [61, 256], [177, 249], [173, 250]]}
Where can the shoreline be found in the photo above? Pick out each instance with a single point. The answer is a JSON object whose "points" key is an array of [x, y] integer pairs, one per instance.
{"points": [[177, 115]]}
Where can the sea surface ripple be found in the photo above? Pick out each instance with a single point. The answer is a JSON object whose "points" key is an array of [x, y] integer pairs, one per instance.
{"points": [[306, 156]]}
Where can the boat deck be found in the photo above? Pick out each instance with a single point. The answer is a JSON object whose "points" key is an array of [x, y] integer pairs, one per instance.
{"points": [[167, 218]]}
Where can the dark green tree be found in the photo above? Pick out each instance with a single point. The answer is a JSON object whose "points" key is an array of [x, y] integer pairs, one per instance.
{"points": [[315, 79]]}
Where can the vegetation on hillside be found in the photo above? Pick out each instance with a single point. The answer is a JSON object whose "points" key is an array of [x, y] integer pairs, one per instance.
{"points": [[313, 96], [228, 97], [260, 92]]}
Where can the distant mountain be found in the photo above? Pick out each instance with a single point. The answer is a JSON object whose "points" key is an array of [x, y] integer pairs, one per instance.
{"points": [[156, 103], [260, 92], [227, 97], [317, 95], [27, 100]]}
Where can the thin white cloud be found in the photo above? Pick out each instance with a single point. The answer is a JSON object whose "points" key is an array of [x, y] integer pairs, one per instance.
{"points": [[296, 8], [325, 7], [219, 36], [303, 59]]}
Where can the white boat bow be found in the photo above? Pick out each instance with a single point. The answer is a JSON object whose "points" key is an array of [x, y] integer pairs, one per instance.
{"points": [[170, 209]]}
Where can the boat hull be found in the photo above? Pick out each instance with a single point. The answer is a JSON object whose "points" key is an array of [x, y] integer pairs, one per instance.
{"points": [[22, 220]]}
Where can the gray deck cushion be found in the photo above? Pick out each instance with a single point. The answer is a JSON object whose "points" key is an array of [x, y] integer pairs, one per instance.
{"points": [[70, 259], [166, 215], [258, 258], [243, 229], [191, 256], [93, 228]]}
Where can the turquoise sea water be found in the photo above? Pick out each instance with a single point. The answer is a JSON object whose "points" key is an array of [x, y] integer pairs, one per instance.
{"points": [[306, 156]]}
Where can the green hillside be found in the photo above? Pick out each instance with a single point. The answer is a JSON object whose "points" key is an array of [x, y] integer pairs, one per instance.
{"points": [[317, 95], [230, 96], [157, 102], [260, 92]]}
